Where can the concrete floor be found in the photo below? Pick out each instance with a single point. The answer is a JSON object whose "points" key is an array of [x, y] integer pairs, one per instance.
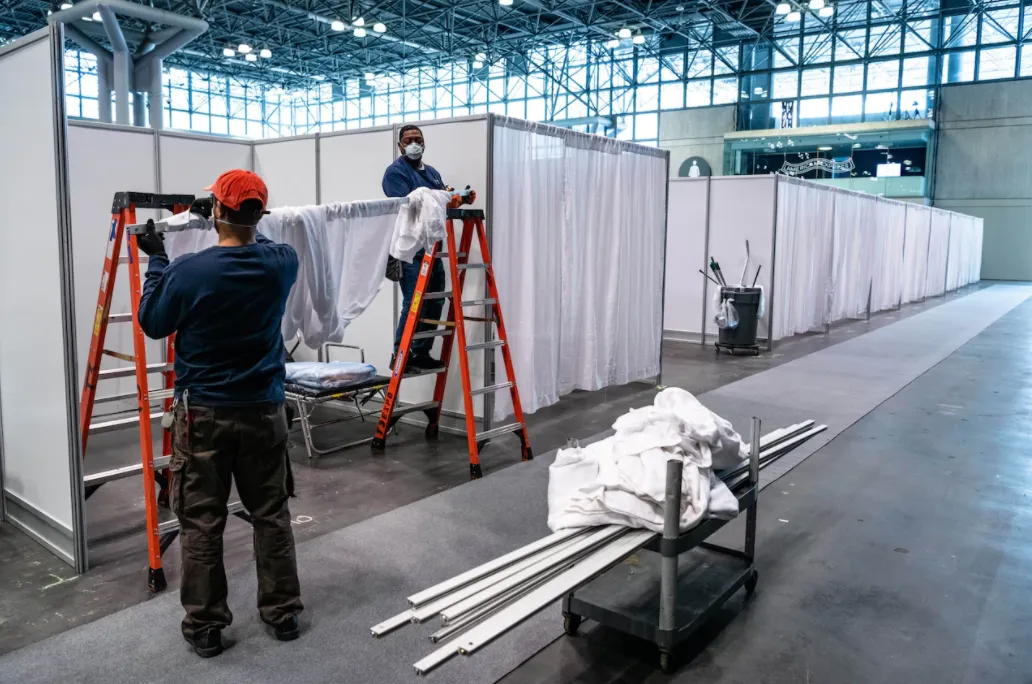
{"points": [[900, 552], [41, 596]]}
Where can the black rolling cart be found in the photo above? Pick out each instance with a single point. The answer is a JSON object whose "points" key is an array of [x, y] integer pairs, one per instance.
{"points": [[746, 301], [677, 582]]}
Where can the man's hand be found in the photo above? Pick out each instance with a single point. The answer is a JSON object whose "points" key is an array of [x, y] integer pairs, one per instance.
{"points": [[152, 242], [471, 197]]}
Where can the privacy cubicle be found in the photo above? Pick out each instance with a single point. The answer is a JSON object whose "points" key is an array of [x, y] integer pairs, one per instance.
{"points": [[826, 254], [575, 222]]}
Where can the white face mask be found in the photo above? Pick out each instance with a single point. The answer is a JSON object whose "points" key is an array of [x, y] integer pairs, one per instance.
{"points": [[413, 150]]}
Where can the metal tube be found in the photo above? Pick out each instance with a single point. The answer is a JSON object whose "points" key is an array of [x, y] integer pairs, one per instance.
{"points": [[584, 571], [754, 479], [478, 572], [104, 71], [671, 530], [776, 452], [156, 99], [705, 259], [129, 9], [392, 623]]}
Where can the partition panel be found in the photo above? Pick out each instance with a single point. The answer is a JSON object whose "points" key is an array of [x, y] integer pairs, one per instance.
{"points": [[938, 253], [128, 155], [190, 164], [741, 208], [351, 168], [42, 477], [685, 255], [915, 252], [288, 169]]}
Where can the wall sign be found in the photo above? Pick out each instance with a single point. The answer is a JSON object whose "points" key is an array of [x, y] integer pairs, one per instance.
{"points": [[694, 167]]}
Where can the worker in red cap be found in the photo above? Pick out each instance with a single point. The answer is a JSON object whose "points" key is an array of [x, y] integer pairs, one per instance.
{"points": [[225, 305]]}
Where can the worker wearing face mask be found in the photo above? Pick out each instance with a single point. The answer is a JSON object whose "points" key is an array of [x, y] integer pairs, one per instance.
{"points": [[406, 174], [225, 305]]}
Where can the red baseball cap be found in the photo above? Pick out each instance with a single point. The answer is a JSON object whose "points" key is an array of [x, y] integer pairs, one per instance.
{"points": [[234, 187]]}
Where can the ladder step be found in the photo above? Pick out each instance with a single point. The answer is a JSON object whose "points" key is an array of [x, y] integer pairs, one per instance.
{"points": [[120, 318], [438, 295], [465, 266], [413, 408], [172, 525], [479, 302], [505, 429], [122, 473], [430, 333], [155, 395], [485, 345], [144, 259], [119, 423], [445, 255], [130, 371], [490, 388]]}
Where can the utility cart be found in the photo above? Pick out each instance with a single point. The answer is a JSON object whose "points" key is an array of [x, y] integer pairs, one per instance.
{"points": [[678, 581]]}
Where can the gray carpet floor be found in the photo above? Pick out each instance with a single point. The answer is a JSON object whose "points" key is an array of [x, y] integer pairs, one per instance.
{"points": [[357, 576]]}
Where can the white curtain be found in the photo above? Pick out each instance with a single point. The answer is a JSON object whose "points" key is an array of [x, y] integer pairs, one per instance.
{"points": [[577, 246], [854, 250], [802, 257], [888, 220], [938, 253], [342, 253], [915, 252]]}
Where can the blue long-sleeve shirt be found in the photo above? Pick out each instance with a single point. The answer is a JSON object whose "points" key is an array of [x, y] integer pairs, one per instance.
{"points": [[225, 305], [401, 178]]}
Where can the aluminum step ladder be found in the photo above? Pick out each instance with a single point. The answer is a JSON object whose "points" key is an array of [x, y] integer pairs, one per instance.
{"points": [[453, 331]]}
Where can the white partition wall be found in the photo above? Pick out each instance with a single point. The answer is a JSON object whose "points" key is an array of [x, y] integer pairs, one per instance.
{"points": [[838, 254], [42, 478]]}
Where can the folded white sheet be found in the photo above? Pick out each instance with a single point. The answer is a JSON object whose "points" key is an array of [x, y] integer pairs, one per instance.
{"points": [[420, 223]]}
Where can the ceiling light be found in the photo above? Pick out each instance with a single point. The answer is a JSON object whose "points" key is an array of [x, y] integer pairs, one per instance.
{"points": [[504, 3], [265, 53], [783, 8], [370, 76], [793, 17], [757, 90], [816, 4], [96, 16], [856, 145], [360, 32], [477, 64], [480, 57], [338, 25], [639, 38], [228, 52], [66, 5], [359, 22], [824, 148], [624, 33], [251, 57], [827, 11], [380, 27], [243, 48], [613, 44], [679, 8], [318, 77]]}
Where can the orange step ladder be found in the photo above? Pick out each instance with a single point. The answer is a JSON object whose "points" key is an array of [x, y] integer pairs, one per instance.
{"points": [[159, 535], [454, 332]]}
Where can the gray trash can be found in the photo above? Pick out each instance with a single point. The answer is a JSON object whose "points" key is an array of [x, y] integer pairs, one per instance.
{"points": [[746, 301]]}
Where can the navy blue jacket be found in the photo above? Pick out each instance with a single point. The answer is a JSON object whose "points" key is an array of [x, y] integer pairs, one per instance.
{"points": [[401, 178], [225, 305]]}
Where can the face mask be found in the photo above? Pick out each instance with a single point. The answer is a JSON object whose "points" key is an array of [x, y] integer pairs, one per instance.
{"points": [[413, 150]]}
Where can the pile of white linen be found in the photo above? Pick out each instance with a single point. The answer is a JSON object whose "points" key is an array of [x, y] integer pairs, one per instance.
{"points": [[329, 376], [420, 223], [621, 480], [342, 253]]}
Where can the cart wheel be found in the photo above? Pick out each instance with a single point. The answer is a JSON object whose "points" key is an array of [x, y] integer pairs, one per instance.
{"points": [[756, 352], [666, 662], [750, 584], [571, 623]]}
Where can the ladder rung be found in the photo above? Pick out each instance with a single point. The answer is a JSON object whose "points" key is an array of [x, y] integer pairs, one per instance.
{"points": [[479, 302], [445, 255], [413, 408], [120, 318], [130, 371], [122, 473], [485, 345], [119, 423], [432, 333], [490, 388], [155, 395], [438, 295], [171, 525], [142, 260], [463, 266], [505, 429]]}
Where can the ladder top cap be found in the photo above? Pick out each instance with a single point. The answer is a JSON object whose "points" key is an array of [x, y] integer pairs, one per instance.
{"points": [[148, 200], [466, 214]]}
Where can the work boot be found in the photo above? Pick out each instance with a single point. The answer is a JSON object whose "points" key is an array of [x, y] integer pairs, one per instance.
{"points": [[425, 362], [207, 644], [409, 368], [289, 629]]}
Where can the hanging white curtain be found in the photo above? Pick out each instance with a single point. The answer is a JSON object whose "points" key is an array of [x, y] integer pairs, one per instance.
{"points": [[803, 257], [578, 240], [957, 248], [342, 253], [975, 273], [938, 253], [888, 219], [915, 252], [854, 253]]}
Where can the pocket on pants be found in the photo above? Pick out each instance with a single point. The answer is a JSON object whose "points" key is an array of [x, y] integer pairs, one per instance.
{"points": [[176, 471]]}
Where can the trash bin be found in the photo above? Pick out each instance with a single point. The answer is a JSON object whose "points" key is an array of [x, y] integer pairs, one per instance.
{"points": [[746, 301]]}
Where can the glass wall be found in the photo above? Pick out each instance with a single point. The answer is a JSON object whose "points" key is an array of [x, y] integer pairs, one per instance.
{"points": [[877, 60]]}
